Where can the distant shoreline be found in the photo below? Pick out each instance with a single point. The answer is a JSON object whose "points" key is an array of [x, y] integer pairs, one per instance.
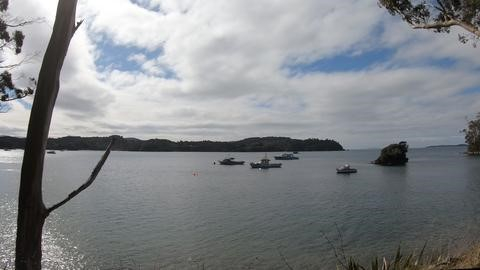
{"points": [[447, 145], [254, 144]]}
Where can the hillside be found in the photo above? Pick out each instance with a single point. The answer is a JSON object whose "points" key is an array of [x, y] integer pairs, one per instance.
{"points": [[256, 144]]}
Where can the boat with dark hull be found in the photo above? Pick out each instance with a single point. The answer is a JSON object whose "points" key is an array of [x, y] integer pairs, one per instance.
{"points": [[286, 157], [265, 164], [346, 169], [230, 161]]}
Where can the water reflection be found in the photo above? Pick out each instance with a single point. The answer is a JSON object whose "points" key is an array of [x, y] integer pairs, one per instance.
{"points": [[58, 251], [11, 156]]}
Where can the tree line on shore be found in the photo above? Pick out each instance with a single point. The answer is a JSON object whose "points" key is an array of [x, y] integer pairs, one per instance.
{"points": [[255, 144]]}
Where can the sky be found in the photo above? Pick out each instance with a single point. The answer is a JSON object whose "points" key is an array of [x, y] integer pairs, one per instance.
{"points": [[228, 70]]}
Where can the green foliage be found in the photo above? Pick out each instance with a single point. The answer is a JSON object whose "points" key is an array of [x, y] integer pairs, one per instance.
{"points": [[7, 24], [472, 135], [8, 91], [3, 5], [439, 15], [411, 13], [18, 38], [11, 39], [6, 80]]}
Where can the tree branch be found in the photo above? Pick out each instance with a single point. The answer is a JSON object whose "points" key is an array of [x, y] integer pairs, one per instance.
{"points": [[90, 180], [12, 65], [452, 22], [436, 25], [442, 7], [19, 24], [77, 26], [26, 59], [470, 28]]}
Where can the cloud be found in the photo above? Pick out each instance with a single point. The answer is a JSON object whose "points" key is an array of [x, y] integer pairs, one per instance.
{"points": [[219, 70]]}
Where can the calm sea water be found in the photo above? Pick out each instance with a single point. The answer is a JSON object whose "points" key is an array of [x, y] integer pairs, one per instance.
{"points": [[180, 211]]}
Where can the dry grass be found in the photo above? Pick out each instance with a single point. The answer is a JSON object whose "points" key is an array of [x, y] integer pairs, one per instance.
{"points": [[469, 259], [412, 261]]}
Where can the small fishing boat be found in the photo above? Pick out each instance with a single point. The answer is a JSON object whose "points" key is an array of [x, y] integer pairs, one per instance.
{"points": [[51, 152], [346, 169], [230, 161], [286, 157], [265, 164]]}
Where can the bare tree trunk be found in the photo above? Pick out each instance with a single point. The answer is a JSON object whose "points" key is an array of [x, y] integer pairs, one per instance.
{"points": [[31, 209]]}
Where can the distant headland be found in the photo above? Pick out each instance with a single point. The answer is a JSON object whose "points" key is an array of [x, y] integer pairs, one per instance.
{"points": [[447, 145], [255, 144]]}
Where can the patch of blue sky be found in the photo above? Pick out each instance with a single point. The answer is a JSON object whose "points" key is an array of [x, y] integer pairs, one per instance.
{"points": [[294, 106], [146, 5], [442, 63], [117, 56], [263, 105], [27, 105], [349, 62], [157, 7], [114, 56], [475, 90], [341, 63], [5, 107], [169, 73], [10, 93]]}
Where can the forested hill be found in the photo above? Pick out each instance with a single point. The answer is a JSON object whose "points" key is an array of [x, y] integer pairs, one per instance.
{"points": [[257, 144]]}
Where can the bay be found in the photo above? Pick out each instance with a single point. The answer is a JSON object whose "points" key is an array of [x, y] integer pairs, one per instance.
{"points": [[182, 211]]}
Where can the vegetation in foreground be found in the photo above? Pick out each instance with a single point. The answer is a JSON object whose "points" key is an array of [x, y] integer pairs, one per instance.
{"points": [[413, 261]]}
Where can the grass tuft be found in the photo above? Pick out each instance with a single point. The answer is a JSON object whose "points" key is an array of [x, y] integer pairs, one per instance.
{"points": [[413, 261]]}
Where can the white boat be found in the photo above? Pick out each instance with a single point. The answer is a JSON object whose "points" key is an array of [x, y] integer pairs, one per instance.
{"points": [[265, 164], [346, 169]]}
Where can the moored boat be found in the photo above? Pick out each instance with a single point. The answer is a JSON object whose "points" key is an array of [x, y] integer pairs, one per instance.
{"points": [[265, 164], [286, 157], [230, 161], [346, 169], [51, 152]]}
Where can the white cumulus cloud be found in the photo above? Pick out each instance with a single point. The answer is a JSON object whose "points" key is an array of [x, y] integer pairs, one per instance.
{"points": [[216, 70]]}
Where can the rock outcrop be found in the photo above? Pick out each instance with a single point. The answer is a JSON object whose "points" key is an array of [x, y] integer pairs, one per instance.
{"points": [[393, 155]]}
